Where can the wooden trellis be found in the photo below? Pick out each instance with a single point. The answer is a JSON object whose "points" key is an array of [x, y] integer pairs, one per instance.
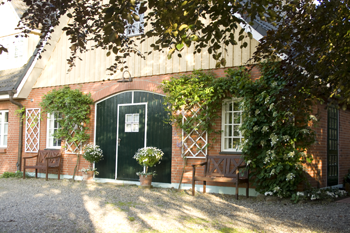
{"points": [[194, 144], [73, 147], [32, 136]]}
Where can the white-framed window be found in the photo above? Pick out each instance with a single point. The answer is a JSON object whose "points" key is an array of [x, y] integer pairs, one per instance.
{"points": [[52, 126], [132, 122], [231, 136], [136, 28], [4, 121]]}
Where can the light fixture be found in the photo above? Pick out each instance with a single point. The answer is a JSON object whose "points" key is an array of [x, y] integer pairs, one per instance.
{"points": [[123, 80]]}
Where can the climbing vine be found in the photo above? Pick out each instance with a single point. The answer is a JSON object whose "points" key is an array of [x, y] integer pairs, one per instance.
{"points": [[276, 127], [74, 108], [277, 131], [200, 89]]}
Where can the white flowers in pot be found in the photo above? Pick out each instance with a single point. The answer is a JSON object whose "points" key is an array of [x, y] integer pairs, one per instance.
{"points": [[148, 157], [93, 154]]}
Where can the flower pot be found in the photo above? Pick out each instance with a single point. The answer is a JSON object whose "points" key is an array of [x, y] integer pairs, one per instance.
{"points": [[88, 176], [145, 181]]}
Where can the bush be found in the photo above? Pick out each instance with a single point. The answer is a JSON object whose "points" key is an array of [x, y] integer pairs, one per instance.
{"points": [[17, 174], [318, 194]]}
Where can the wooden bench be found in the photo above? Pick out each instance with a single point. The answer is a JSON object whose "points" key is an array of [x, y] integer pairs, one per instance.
{"points": [[225, 168], [45, 160]]}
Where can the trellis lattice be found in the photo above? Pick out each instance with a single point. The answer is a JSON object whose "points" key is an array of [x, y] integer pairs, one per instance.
{"points": [[32, 130], [73, 147], [194, 144]]}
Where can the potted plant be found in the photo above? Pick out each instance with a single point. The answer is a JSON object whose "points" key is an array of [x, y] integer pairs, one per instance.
{"points": [[147, 157], [88, 173], [93, 154]]}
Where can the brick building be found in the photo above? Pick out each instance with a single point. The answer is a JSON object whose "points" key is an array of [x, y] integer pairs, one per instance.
{"points": [[26, 83]]}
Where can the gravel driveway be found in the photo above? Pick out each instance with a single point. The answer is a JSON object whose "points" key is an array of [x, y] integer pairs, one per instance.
{"points": [[36, 205]]}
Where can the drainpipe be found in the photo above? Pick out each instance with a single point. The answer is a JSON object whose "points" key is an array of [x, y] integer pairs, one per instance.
{"points": [[19, 157]]}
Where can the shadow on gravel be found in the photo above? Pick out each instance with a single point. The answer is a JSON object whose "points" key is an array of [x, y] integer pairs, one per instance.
{"points": [[34, 205]]}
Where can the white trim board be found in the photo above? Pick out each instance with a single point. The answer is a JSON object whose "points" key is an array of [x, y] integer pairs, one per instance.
{"points": [[145, 140]]}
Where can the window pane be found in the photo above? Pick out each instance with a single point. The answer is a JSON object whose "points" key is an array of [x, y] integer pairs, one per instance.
{"points": [[228, 119], [5, 140], [128, 118], [6, 128], [51, 123], [236, 106], [237, 119], [6, 117], [236, 131], [50, 132], [50, 141], [136, 118], [135, 127], [54, 142], [0, 117], [235, 143], [228, 130], [127, 127], [228, 143], [230, 107], [56, 124]]}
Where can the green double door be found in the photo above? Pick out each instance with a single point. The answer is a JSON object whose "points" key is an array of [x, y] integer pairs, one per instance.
{"points": [[129, 121]]}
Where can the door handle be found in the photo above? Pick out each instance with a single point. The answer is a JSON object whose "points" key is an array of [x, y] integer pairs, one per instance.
{"points": [[119, 141]]}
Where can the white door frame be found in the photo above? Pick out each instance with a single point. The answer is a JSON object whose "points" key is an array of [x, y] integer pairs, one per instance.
{"points": [[145, 141]]}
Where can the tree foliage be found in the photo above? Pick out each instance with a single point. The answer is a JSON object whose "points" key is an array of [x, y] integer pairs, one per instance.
{"points": [[314, 42], [175, 24], [312, 38]]}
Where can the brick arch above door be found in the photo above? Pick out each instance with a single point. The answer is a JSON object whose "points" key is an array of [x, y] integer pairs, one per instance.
{"points": [[110, 88]]}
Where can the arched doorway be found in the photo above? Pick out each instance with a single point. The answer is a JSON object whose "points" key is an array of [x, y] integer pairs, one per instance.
{"points": [[126, 122]]}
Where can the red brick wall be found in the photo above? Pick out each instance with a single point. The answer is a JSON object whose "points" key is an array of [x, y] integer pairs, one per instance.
{"points": [[103, 89], [8, 155], [317, 171]]}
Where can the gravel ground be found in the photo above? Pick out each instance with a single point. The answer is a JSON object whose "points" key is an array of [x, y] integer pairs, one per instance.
{"points": [[36, 205]]}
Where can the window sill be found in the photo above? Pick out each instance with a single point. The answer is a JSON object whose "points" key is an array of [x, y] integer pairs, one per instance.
{"points": [[53, 148], [3, 150], [230, 152]]}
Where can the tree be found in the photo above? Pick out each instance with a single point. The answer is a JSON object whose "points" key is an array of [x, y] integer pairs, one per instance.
{"points": [[314, 42], [312, 39], [176, 23]]}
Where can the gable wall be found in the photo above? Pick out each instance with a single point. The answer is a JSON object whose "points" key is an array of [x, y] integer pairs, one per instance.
{"points": [[93, 66]]}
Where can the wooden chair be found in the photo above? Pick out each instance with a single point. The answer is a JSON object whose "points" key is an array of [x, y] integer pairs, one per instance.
{"points": [[45, 160], [225, 168]]}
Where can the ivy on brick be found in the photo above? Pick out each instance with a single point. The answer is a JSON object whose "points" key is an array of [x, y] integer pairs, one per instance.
{"points": [[74, 108], [276, 125]]}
